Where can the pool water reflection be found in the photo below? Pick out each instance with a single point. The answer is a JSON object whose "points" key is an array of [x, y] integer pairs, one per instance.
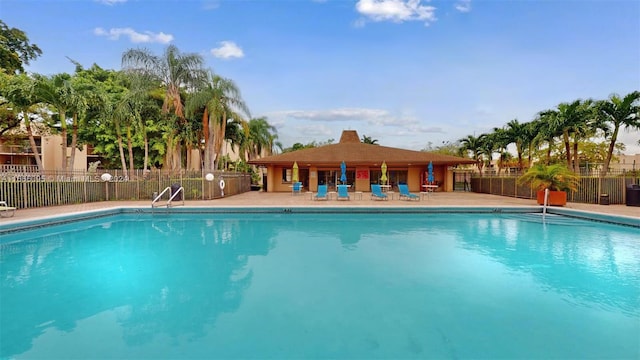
{"points": [[321, 286]]}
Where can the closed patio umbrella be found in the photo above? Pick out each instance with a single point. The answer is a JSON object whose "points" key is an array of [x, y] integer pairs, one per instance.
{"points": [[343, 175], [430, 178], [383, 178], [294, 176]]}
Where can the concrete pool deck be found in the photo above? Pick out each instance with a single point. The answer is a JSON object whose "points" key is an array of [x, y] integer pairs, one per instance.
{"points": [[263, 199]]}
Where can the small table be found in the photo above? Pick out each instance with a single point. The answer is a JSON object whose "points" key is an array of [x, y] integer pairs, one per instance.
{"points": [[293, 191], [357, 195], [429, 189], [385, 188], [332, 194]]}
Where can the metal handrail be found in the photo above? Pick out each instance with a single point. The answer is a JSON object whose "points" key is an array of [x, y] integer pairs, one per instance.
{"points": [[168, 188], [174, 195]]}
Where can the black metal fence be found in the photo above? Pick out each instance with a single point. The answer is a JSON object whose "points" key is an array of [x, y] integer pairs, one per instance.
{"points": [[34, 189]]}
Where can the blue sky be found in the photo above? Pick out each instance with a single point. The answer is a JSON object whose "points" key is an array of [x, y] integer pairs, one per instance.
{"points": [[404, 72]]}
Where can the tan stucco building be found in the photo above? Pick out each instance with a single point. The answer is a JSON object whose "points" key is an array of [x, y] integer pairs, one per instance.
{"points": [[321, 165]]}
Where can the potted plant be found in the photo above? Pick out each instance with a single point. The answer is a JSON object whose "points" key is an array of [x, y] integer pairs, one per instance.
{"points": [[557, 178]]}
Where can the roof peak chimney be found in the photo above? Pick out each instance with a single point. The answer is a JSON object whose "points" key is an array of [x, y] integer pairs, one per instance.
{"points": [[349, 136]]}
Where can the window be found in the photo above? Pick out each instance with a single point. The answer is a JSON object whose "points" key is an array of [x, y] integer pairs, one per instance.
{"points": [[286, 175]]}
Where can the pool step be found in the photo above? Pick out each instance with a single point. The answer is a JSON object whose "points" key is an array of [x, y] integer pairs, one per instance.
{"points": [[544, 218]]}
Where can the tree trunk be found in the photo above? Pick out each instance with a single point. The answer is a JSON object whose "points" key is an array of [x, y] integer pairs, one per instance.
{"points": [[62, 113], [123, 161], [219, 137], [567, 147], [145, 165], [74, 141], [576, 160], [205, 154], [130, 148], [612, 145], [63, 147], [548, 154], [189, 158], [32, 141]]}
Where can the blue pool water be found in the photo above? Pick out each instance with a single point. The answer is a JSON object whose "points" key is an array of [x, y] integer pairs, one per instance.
{"points": [[321, 286]]}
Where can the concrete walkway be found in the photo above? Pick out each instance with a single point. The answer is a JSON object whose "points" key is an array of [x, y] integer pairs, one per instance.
{"points": [[262, 199]]}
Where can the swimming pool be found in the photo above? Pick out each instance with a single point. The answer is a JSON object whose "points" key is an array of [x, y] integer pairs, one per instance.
{"points": [[348, 285]]}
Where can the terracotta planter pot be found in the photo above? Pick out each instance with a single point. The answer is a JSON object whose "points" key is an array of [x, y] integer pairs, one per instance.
{"points": [[556, 198]]}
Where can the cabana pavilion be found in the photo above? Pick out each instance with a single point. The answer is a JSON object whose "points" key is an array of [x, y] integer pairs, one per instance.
{"points": [[321, 165]]}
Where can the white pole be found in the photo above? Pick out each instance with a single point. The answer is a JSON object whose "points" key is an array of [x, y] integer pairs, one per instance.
{"points": [[545, 202]]}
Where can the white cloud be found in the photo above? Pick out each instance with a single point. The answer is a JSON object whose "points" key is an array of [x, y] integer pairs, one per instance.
{"points": [[354, 114], [372, 117], [134, 36], [227, 50], [396, 10], [110, 2], [463, 6]]}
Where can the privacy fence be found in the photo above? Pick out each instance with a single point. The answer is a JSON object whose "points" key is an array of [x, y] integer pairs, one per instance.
{"points": [[25, 189], [590, 190]]}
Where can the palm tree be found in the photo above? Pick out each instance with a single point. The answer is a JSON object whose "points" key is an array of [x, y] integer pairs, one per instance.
{"points": [[86, 94], [221, 100], [501, 140], [474, 145], [488, 145], [546, 132], [617, 112], [569, 119], [19, 91], [57, 91], [262, 137], [175, 72], [517, 134], [368, 140], [530, 138]]}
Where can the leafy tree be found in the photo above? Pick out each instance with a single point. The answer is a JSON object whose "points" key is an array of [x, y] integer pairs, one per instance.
{"points": [[447, 148], [15, 49], [8, 117], [313, 144], [19, 91]]}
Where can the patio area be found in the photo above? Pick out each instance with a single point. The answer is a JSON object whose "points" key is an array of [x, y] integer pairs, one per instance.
{"points": [[264, 199]]}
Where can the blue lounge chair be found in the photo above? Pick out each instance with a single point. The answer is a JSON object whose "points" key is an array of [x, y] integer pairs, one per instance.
{"points": [[377, 194], [322, 193], [297, 188], [343, 192], [405, 194]]}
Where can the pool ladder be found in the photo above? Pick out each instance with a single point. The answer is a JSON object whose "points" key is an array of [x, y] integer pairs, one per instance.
{"points": [[168, 204]]}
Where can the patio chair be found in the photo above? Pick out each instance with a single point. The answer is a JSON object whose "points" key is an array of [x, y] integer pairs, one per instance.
{"points": [[322, 193], [405, 194], [6, 210], [343, 192], [296, 188], [377, 194]]}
